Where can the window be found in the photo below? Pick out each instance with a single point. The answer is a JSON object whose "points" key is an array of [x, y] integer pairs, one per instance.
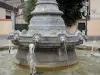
{"points": [[8, 17], [81, 26], [8, 14]]}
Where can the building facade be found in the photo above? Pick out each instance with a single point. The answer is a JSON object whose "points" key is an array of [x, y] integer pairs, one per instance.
{"points": [[5, 21], [94, 22], [7, 12]]}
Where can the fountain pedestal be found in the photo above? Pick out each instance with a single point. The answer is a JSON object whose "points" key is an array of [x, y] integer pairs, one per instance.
{"points": [[47, 31], [49, 57]]}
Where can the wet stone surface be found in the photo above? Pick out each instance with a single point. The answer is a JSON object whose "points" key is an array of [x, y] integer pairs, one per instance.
{"points": [[88, 65]]}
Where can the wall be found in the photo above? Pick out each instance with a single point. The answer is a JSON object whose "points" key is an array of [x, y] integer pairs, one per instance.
{"points": [[2, 13], [95, 9], [5, 26], [94, 23], [19, 18], [93, 28]]}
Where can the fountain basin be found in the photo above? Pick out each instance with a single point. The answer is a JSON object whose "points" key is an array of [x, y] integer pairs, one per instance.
{"points": [[86, 66]]}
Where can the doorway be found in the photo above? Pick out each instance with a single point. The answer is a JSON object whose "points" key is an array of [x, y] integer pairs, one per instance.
{"points": [[81, 26]]}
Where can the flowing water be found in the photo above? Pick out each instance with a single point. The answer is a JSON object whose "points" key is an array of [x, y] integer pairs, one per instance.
{"points": [[88, 65]]}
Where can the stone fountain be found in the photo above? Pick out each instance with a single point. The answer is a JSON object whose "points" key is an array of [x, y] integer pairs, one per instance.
{"points": [[54, 44]]}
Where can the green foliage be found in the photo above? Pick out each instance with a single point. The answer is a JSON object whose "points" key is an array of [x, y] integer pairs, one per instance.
{"points": [[29, 7], [70, 8]]}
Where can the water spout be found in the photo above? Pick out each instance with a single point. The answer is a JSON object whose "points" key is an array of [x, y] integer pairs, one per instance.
{"points": [[92, 50], [10, 47], [66, 51], [32, 59]]}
